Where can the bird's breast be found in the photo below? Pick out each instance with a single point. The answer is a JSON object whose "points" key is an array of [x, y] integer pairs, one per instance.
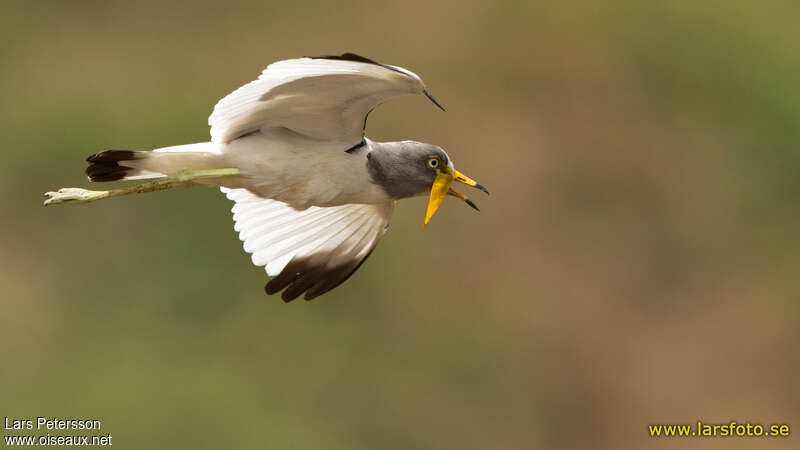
{"points": [[302, 174]]}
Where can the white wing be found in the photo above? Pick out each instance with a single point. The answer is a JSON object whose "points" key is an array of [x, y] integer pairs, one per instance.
{"points": [[313, 250], [325, 98]]}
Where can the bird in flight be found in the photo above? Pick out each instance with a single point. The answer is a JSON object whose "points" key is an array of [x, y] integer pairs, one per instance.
{"points": [[312, 194]]}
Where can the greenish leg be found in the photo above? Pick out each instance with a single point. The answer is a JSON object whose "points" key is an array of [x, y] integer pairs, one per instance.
{"points": [[180, 180]]}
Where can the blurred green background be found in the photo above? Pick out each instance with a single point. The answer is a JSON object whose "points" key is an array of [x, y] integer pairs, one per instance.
{"points": [[636, 262]]}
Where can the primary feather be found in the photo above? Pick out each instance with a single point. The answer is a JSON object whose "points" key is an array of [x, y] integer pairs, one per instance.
{"points": [[324, 246]]}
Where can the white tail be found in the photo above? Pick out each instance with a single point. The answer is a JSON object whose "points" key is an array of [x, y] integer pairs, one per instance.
{"points": [[113, 165]]}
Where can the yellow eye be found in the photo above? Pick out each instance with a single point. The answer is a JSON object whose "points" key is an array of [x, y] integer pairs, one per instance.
{"points": [[433, 162]]}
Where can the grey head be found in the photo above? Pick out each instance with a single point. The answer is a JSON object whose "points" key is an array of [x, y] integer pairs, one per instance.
{"points": [[406, 169]]}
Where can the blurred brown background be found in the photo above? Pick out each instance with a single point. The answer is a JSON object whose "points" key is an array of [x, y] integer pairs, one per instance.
{"points": [[635, 264]]}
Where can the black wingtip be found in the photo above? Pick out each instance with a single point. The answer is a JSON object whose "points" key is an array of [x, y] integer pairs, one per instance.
{"points": [[358, 58], [428, 94], [348, 56]]}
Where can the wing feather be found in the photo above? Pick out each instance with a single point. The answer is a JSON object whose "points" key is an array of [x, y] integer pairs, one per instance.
{"points": [[311, 251], [321, 98]]}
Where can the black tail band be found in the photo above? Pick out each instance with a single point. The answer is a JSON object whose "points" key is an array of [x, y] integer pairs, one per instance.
{"points": [[105, 165]]}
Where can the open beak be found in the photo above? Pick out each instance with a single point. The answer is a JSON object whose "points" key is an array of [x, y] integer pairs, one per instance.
{"points": [[441, 188], [460, 177]]}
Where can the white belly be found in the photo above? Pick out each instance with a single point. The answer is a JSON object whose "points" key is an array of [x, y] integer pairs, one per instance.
{"points": [[293, 169]]}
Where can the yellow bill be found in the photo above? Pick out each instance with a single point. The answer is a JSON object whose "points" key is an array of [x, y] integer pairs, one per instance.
{"points": [[460, 177], [441, 187]]}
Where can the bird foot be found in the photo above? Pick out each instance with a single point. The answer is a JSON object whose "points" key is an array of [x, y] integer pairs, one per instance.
{"points": [[73, 195]]}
